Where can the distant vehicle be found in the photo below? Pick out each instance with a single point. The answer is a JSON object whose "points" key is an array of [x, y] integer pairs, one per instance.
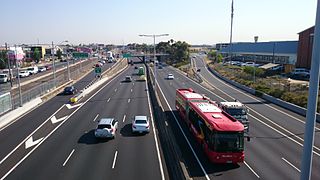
{"points": [[42, 69], [301, 72], [136, 67], [48, 67], [219, 134], [237, 110], [23, 74], [198, 70], [106, 128], [102, 61], [110, 60], [69, 90], [140, 124], [142, 78], [160, 67], [33, 70], [141, 71], [170, 77], [128, 79], [109, 55], [4, 78]]}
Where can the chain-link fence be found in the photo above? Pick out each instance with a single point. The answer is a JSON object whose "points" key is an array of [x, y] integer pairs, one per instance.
{"points": [[46, 87]]}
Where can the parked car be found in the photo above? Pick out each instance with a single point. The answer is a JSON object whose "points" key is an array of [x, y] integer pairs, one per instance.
{"points": [[140, 124], [4, 78], [170, 77], [69, 90], [33, 70], [42, 69], [300, 73], [48, 67], [23, 74], [106, 128]]}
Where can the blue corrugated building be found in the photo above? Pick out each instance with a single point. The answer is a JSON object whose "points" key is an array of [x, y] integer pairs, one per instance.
{"points": [[279, 52]]}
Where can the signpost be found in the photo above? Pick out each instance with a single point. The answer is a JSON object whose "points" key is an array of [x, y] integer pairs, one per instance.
{"points": [[80, 55]]}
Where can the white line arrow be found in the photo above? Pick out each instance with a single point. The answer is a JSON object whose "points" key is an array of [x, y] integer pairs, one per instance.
{"points": [[70, 107], [55, 120], [30, 142]]}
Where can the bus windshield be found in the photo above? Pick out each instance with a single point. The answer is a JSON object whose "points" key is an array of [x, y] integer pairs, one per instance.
{"points": [[228, 142]]}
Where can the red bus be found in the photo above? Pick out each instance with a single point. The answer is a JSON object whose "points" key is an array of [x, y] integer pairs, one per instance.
{"points": [[220, 135]]}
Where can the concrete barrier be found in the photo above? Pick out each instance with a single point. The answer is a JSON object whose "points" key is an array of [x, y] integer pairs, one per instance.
{"points": [[292, 107]]}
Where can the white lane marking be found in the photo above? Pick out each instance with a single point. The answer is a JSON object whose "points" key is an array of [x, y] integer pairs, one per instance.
{"points": [[71, 107], [30, 142], [284, 129], [132, 84], [297, 119], [130, 90], [95, 118], [124, 118], [115, 90], [154, 135], [108, 100], [29, 136], [251, 169], [114, 159], [55, 120], [129, 100], [31, 151], [185, 137], [291, 164], [166, 123], [65, 162]]}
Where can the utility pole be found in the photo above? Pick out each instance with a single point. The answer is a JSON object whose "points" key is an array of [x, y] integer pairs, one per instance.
{"points": [[306, 164], [53, 65], [254, 57], [230, 45], [9, 66], [20, 95]]}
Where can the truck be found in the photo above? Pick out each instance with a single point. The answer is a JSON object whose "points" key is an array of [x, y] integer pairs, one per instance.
{"points": [[238, 111], [110, 57]]}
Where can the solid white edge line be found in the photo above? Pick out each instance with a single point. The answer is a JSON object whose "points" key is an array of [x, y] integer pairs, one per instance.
{"points": [[114, 159], [96, 117], [291, 164], [108, 100], [297, 119], [31, 151], [65, 162], [275, 124], [284, 129], [124, 118], [195, 155], [23, 141], [251, 169], [129, 100], [154, 135]]}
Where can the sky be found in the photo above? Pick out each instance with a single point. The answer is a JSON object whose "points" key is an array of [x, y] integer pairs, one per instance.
{"points": [[121, 21]]}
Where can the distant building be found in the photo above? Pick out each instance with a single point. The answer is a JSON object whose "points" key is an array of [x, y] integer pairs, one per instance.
{"points": [[279, 52], [220, 46], [305, 48]]}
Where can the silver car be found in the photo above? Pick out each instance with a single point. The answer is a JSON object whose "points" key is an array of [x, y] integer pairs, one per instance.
{"points": [[140, 124], [106, 128]]}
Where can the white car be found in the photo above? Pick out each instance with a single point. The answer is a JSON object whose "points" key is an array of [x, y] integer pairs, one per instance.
{"points": [[3, 78], [23, 74], [42, 69], [170, 76], [140, 124], [106, 128]]}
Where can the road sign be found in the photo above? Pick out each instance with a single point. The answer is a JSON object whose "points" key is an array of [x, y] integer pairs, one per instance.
{"points": [[97, 70], [80, 55], [126, 55]]}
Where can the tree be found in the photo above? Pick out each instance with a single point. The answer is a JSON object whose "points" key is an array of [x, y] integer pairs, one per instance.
{"points": [[59, 54], [3, 59], [36, 55]]}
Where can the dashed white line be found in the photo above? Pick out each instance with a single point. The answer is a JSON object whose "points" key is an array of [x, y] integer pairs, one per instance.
{"points": [[114, 159], [130, 90], [96, 117], [251, 169], [124, 118], [108, 100], [291, 165], [132, 84], [129, 100], [115, 90], [65, 162]]}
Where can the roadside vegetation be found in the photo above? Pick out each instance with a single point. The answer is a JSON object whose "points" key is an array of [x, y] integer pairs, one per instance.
{"points": [[265, 82]]}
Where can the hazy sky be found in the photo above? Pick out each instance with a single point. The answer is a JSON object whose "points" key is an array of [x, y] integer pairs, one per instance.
{"points": [[121, 21]]}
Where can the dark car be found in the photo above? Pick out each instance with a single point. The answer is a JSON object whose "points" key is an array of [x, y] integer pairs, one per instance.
{"points": [[48, 67], [69, 90]]}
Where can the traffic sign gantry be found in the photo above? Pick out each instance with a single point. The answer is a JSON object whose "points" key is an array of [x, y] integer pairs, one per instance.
{"points": [[80, 55], [97, 70], [126, 55]]}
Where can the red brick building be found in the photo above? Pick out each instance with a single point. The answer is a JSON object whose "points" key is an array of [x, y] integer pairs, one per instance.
{"points": [[305, 48]]}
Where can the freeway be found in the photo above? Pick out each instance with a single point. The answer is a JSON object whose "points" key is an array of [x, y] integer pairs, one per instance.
{"points": [[275, 149], [62, 145]]}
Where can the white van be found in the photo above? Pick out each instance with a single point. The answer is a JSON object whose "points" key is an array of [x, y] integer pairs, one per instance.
{"points": [[3, 78], [33, 70]]}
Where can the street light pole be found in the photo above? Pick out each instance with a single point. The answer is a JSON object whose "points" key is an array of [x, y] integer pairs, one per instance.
{"points": [[154, 54], [254, 58], [53, 65], [20, 95], [230, 48]]}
